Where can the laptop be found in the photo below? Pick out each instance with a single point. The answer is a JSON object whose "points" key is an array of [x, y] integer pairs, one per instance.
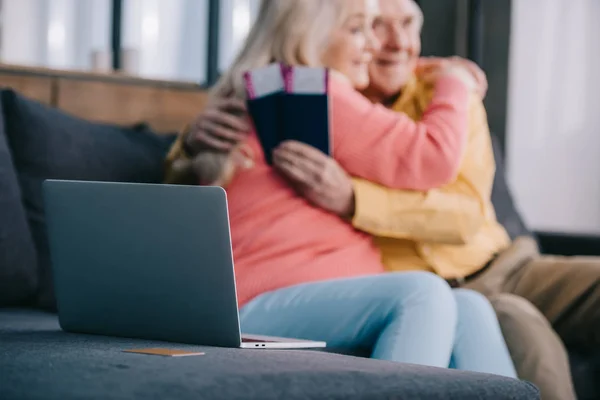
{"points": [[147, 261]]}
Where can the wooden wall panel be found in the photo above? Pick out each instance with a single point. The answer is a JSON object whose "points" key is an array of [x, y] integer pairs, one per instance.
{"points": [[34, 87], [165, 109]]}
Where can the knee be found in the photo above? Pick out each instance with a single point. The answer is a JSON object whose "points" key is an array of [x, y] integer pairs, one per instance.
{"points": [[529, 336], [513, 310], [420, 284], [472, 304], [425, 290]]}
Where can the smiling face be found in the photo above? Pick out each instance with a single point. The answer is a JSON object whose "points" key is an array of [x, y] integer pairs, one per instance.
{"points": [[398, 29], [352, 44]]}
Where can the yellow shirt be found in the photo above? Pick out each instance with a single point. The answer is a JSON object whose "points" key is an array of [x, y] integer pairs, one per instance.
{"points": [[452, 230]]}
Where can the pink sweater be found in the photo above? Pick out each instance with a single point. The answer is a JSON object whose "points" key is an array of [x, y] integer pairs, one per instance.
{"points": [[280, 240]]}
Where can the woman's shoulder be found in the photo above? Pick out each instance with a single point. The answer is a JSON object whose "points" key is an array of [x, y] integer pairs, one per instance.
{"points": [[343, 95], [338, 83]]}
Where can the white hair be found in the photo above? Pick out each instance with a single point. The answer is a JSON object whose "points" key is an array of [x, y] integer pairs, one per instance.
{"points": [[294, 32], [420, 15]]}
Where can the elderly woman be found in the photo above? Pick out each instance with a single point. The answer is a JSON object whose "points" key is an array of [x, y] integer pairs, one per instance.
{"points": [[303, 272]]}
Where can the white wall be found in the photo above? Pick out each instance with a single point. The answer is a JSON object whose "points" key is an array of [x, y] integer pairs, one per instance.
{"points": [[554, 113]]}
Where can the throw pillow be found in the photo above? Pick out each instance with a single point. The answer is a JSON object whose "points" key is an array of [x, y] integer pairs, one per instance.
{"points": [[49, 144], [18, 262]]}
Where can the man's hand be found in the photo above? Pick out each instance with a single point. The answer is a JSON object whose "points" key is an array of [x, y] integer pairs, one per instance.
{"points": [[316, 177], [221, 126], [467, 70]]}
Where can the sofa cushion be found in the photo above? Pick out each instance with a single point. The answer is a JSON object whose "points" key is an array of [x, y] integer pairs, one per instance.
{"points": [[502, 199], [18, 262], [41, 362], [48, 144]]}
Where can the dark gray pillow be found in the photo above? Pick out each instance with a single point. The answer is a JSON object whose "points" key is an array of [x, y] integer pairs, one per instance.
{"points": [[18, 262], [49, 144], [506, 211]]}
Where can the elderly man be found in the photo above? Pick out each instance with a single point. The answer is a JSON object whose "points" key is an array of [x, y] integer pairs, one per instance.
{"points": [[451, 230]]}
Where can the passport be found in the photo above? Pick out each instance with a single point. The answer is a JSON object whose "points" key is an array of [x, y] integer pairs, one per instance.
{"points": [[306, 107], [289, 103], [265, 93]]}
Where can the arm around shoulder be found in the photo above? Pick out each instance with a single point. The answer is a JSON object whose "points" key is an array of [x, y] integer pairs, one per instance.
{"points": [[390, 149], [452, 214], [440, 215]]}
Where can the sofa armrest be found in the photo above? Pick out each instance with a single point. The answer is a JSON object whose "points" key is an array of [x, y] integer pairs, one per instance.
{"points": [[568, 244]]}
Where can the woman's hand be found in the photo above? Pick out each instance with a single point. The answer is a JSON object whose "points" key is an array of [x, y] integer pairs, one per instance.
{"points": [[431, 68], [316, 177], [221, 126]]}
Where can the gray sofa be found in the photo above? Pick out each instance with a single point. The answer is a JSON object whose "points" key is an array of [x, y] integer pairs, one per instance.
{"points": [[38, 360]]}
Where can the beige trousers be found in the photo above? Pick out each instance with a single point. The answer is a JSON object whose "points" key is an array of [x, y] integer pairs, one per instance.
{"points": [[543, 302]]}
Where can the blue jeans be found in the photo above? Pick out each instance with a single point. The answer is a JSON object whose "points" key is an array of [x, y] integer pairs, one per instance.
{"points": [[410, 317]]}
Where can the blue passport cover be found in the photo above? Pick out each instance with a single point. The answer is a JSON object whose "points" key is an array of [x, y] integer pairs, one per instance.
{"points": [[265, 94], [306, 107]]}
